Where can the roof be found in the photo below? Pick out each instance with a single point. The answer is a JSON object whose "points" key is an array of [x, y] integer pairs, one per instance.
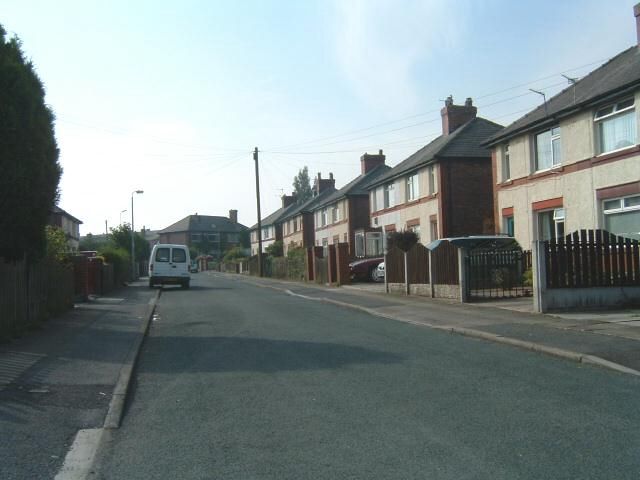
{"points": [[465, 141], [204, 223], [56, 210], [477, 241], [275, 216], [357, 186], [310, 204], [615, 77]]}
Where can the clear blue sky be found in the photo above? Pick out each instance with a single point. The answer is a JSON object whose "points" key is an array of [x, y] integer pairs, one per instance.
{"points": [[172, 97]]}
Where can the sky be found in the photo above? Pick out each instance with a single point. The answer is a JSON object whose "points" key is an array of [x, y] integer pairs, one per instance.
{"points": [[172, 97]]}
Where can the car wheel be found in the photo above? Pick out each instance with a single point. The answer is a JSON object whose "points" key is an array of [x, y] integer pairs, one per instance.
{"points": [[373, 274]]}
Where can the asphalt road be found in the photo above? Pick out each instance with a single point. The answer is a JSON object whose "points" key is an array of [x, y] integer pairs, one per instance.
{"points": [[240, 382]]}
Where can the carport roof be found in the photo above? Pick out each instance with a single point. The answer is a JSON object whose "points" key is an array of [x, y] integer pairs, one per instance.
{"points": [[476, 241]]}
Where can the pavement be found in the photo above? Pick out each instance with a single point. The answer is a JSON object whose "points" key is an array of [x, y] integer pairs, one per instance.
{"points": [[66, 378], [608, 338]]}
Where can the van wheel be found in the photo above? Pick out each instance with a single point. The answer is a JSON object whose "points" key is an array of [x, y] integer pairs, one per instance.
{"points": [[150, 283]]}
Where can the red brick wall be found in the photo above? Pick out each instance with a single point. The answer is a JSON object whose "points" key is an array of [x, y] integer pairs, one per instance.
{"points": [[467, 202]]}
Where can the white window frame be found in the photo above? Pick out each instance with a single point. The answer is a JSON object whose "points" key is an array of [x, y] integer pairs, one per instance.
{"points": [[616, 111], [506, 163], [558, 218], [389, 195], [335, 213], [413, 187], [431, 179], [555, 162]]}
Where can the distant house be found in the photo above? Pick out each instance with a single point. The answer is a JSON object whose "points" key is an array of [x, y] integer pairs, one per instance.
{"points": [[298, 225], [445, 188], [271, 226], [69, 224], [574, 162], [210, 235], [341, 214]]}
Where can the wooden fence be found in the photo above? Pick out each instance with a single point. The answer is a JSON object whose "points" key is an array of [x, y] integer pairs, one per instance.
{"points": [[445, 264], [417, 260], [592, 258], [32, 293]]}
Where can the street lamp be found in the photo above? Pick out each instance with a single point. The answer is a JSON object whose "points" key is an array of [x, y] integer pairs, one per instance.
{"points": [[121, 215], [133, 254]]}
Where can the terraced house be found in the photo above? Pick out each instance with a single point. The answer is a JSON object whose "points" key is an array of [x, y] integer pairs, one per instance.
{"points": [[445, 188], [298, 226], [574, 162], [271, 226], [338, 217]]}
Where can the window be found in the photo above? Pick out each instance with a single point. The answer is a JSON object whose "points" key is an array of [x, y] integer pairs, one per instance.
{"points": [[506, 163], [389, 200], [324, 217], [616, 126], [213, 237], [179, 255], [622, 216], [335, 213], [374, 200], [413, 190], [551, 224], [431, 177], [548, 149], [295, 224], [359, 244], [415, 229], [233, 238], [433, 227], [162, 255], [508, 226], [196, 237], [345, 237], [374, 244]]}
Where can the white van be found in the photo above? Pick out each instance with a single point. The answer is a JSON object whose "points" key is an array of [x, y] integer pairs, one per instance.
{"points": [[169, 264]]}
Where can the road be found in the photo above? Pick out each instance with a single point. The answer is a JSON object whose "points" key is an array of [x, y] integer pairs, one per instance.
{"points": [[237, 381]]}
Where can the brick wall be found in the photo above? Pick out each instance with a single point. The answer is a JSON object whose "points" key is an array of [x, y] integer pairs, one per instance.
{"points": [[467, 202]]}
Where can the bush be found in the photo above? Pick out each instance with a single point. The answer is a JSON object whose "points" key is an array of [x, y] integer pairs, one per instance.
{"points": [[403, 240], [276, 249], [120, 259]]}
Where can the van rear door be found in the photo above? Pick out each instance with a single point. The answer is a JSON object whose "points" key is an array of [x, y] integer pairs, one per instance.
{"points": [[162, 266]]}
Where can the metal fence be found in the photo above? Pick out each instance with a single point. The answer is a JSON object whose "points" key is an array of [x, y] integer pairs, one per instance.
{"points": [[499, 273]]}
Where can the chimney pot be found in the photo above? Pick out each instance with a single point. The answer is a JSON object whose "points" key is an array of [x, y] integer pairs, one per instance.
{"points": [[468, 102], [370, 161], [330, 175], [454, 116]]}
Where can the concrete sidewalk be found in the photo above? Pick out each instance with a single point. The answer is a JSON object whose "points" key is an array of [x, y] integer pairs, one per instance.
{"points": [[60, 379], [608, 338]]}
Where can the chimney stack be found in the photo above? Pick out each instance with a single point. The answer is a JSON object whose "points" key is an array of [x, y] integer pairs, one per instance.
{"points": [[454, 116], [233, 216], [370, 161], [636, 13], [288, 200], [320, 184]]}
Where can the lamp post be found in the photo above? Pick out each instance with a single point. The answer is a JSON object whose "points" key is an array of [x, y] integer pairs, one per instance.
{"points": [[121, 212], [133, 254]]}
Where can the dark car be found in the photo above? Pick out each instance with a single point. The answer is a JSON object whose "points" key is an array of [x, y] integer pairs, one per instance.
{"points": [[365, 269]]}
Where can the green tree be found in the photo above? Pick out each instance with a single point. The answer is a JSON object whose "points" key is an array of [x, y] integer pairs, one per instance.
{"points": [[276, 249], [57, 247], [120, 237], [234, 254], [302, 186], [28, 155]]}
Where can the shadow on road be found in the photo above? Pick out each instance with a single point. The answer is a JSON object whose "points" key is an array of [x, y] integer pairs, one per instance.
{"points": [[180, 354]]}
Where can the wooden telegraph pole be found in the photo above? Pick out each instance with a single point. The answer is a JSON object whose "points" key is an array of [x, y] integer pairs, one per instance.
{"points": [[255, 158]]}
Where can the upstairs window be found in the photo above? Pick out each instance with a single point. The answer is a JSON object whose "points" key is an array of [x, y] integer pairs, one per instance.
{"points": [[389, 199], [335, 214], [548, 149], [506, 163], [324, 217], [413, 190], [431, 176], [616, 126]]}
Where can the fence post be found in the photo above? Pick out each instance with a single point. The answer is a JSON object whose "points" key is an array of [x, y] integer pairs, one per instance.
{"points": [[406, 274], [386, 271], [538, 264], [431, 282], [463, 274]]}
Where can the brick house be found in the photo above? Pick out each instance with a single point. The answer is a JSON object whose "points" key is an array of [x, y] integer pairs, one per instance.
{"points": [[69, 224], [298, 226], [345, 211], [211, 235], [574, 162], [445, 189], [271, 225]]}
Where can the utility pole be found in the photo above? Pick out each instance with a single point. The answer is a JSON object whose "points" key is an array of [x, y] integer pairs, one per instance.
{"points": [[255, 158]]}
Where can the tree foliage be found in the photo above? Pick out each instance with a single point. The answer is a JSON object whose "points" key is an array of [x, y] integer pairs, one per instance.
{"points": [[120, 237], [403, 240], [28, 155], [276, 249], [57, 246], [234, 254], [302, 186]]}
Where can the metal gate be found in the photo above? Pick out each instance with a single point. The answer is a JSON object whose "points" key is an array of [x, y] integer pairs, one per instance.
{"points": [[498, 273]]}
